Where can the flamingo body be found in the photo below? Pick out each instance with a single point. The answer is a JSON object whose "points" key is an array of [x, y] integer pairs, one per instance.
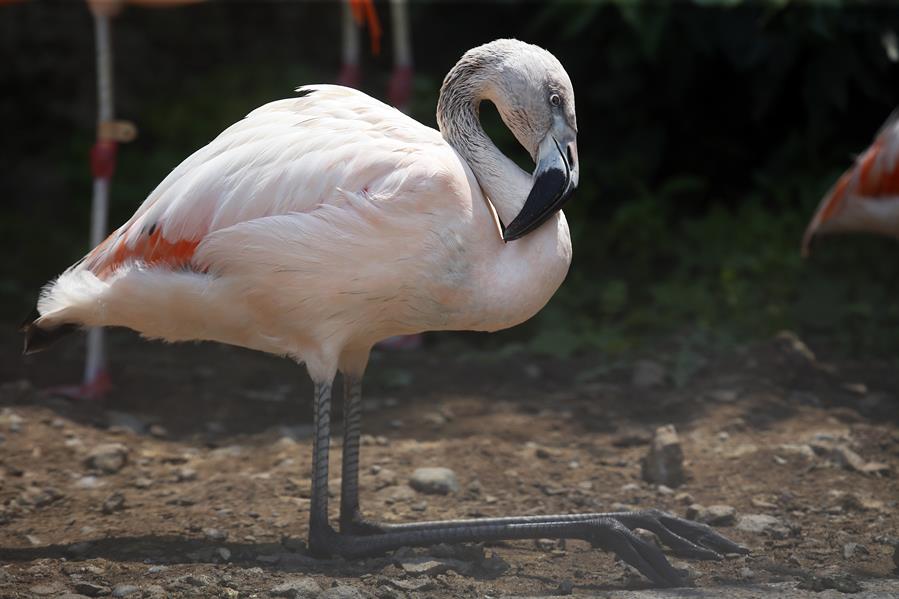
{"points": [[313, 228], [866, 197]]}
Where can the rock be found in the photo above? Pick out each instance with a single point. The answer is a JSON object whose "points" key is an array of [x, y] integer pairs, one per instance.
{"points": [[124, 590], [343, 592], [113, 503], [224, 553], [854, 550], [763, 524], [648, 374], [92, 590], [297, 588], [108, 458], [664, 464], [434, 481]]}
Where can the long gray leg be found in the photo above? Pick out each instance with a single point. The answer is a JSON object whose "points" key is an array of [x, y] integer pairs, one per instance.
{"points": [[351, 520], [319, 529]]}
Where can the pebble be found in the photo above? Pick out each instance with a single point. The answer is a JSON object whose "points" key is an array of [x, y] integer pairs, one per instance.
{"points": [[429, 566], [664, 464], [343, 592], [126, 421], [762, 524], [89, 482], [545, 544], [124, 590], [108, 458], [648, 374], [142, 482], [45, 590], [854, 550], [714, 515], [418, 585], [185, 474], [91, 590], [214, 534], [224, 553], [113, 503], [297, 588], [843, 583], [384, 477], [566, 587], [195, 580], [434, 481]]}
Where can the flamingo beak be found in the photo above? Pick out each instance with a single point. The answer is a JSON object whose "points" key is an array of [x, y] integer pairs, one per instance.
{"points": [[555, 178]]}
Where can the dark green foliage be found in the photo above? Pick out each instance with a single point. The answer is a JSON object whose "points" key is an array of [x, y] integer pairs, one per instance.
{"points": [[708, 132]]}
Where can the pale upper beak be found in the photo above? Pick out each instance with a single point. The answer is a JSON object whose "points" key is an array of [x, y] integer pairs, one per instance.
{"points": [[555, 178]]}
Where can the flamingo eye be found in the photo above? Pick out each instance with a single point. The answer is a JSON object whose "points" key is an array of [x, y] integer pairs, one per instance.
{"points": [[555, 100]]}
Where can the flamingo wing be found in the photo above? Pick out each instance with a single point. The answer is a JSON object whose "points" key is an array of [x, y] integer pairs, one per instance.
{"points": [[286, 157]]}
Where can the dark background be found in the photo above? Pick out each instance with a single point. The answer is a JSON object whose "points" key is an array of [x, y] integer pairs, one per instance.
{"points": [[708, 133]]}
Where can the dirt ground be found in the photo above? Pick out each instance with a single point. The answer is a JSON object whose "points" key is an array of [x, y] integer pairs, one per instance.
{"points": [[212, 497]]}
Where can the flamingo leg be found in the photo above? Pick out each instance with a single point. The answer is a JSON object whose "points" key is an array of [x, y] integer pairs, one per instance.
{"points": [[610, 531], [351, 520]]}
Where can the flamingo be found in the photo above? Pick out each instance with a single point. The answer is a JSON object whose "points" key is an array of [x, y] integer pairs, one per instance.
{"points": [[320, 224], [866, 197]]}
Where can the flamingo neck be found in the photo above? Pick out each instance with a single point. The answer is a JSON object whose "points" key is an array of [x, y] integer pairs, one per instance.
{"points": [[502, 181]]}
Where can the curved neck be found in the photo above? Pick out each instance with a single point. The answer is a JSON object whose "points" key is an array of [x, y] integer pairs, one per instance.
{"points": [[503, 182]]}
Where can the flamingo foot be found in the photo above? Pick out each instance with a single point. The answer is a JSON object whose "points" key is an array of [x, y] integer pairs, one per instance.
{"points": [[93, 389]]}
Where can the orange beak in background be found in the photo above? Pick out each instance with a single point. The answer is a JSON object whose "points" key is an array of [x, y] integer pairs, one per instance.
{"points": [[866, 197]]}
